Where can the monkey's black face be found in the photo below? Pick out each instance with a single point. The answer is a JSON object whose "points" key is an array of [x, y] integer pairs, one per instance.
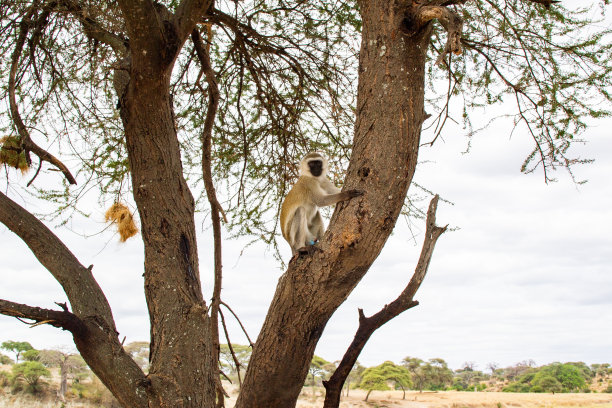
{"points": [[316, 167]]}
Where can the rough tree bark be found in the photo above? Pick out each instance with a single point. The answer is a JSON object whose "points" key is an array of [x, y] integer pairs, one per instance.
{"points": [[390, 113], [182, 364]]}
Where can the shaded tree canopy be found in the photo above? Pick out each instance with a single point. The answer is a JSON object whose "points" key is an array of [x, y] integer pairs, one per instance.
{"points": [[158, 104]]}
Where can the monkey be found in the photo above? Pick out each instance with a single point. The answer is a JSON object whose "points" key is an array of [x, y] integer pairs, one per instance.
{"points": [[300, 219]]}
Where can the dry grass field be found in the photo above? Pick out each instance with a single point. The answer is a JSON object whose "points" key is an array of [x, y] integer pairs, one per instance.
{"points": [[455, 399], [377, 399]]}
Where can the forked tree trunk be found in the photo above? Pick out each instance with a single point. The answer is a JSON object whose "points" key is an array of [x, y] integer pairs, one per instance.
{"points": [[181, 368], [388, 127]]}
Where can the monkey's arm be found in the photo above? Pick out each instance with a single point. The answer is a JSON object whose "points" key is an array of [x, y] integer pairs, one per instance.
{"points": [[322, 200], [329, 187]]}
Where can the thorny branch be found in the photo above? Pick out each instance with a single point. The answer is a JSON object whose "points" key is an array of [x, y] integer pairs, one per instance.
{"points": [[27, 144], [215, 208], [405, 301]]}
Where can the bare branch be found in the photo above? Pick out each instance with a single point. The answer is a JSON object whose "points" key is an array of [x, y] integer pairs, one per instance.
{"points": [[64, 319], [231, 349], [239, 322], [405, 301], [215, 207]]}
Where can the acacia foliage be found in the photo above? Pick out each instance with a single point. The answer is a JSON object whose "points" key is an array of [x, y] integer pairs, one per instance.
{"points": [[287, 73]]}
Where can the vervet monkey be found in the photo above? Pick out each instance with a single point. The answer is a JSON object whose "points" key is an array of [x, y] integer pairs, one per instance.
{"points": [[300, 219]]}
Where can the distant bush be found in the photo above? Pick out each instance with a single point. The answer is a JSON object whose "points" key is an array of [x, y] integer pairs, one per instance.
{"points": [[30, 372], [516, 387], [4, 378], [609, 389], [5, 359]]}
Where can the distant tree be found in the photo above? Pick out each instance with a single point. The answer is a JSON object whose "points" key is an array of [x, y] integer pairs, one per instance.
{"points": [[492, 366], [354, 376], [414, 365], [431, 375], [568, 378], [437, 374], [377, 378], [17, 347], [31, 372], [68, 363], [546, 384], [239, 360], [31, 355], [4, 359], [317, 367]]}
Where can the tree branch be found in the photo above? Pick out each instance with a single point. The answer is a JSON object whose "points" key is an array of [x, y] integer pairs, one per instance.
{"points": [[545, 3], [215, 207], [95, 336], [188, 13], [84, 294], [93, 29], [25, 139], [64, 319], [368, 325], [452, 23]]}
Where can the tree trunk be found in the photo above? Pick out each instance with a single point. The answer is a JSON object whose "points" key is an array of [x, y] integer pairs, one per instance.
{"points": [[63, 379], [390, 113], [367, 395], [181, 369]]}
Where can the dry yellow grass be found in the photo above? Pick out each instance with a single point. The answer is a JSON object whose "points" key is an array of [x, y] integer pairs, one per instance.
{"points": [[379, 399], [452, 399]]}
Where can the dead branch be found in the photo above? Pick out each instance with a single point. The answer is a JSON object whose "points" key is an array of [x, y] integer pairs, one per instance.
{"points": [[62, 319], [231, 349], [239, 322], [368, 325]]}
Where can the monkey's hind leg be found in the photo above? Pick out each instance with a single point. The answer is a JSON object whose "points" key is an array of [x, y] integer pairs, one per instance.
{"points": [[298, 230], [299, 234]]}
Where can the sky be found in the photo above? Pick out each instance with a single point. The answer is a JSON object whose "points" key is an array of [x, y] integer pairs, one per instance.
{"points": [[524, 272]]}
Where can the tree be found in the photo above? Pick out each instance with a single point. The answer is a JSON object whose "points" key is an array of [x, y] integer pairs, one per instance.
{"points": [[68, 363], [17, 347], [5, 359], [418, 374], [546, 384], [318, 366], [236, 358], [31, 355], [31, 372], [378, 378], [154, 100], [354, 376]]}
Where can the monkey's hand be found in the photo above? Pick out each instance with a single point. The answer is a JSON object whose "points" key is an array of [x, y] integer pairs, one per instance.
{"points": [[355, 193]]}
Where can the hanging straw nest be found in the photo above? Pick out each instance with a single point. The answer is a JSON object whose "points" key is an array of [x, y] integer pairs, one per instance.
{"points": [[12, 154], [120, 215]]}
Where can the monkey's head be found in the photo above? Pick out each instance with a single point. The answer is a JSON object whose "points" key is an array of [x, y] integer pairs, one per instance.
{"points": [[313, 164]]}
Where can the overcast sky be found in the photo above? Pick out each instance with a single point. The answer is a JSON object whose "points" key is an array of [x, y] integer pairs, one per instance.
{"points": [[526, 273]]}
